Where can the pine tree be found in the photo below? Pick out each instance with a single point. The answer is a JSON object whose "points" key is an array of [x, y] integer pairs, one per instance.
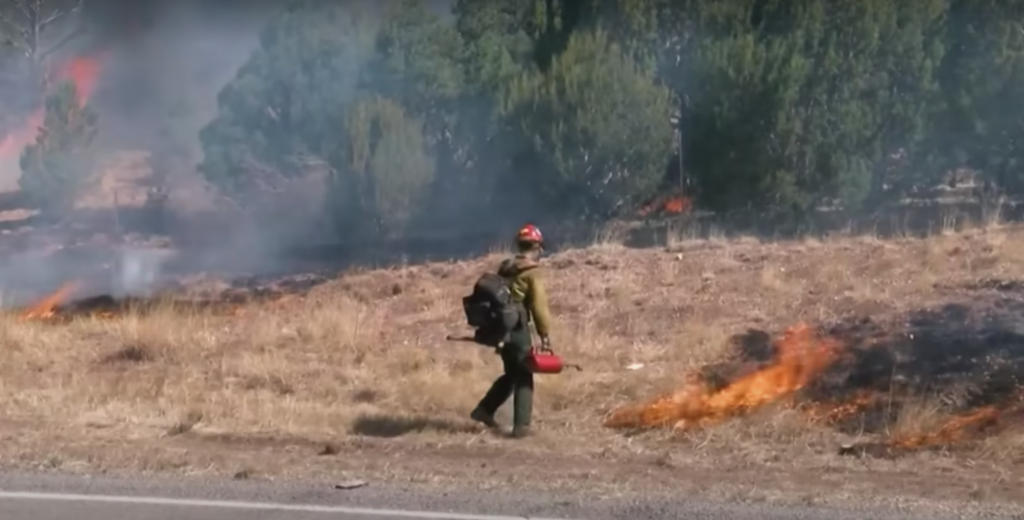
{"points": [[57, 167]]}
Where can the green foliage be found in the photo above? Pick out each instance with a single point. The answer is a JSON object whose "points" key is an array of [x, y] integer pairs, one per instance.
{"points": [[417, 59], [419, 65], [594, 128], [739, 124], [562, 107], [57, 167], [982, 79], [389, 170], [798, 103], [286, 103], [496, 44]]}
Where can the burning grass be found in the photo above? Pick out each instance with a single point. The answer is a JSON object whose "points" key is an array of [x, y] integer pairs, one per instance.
{"points": [[801, 358], [762, 353]]}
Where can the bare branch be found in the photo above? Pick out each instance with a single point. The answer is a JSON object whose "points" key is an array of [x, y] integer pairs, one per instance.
{"points": [[58, 14], [7, 21], [31, 29], [23, 44], [62, 42], [23, 7]]}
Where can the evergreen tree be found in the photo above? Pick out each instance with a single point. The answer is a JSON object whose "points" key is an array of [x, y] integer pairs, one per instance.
{"points": [[592, 130], [58, 165], [798, 103], [982, 118], [384, 184], [417, 65], [287, 104]]}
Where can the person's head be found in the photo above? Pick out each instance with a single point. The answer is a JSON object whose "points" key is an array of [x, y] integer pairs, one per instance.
{"points": [[529, 239]]}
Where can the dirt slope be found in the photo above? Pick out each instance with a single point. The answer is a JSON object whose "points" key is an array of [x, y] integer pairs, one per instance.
{"points": [[353, 375]]}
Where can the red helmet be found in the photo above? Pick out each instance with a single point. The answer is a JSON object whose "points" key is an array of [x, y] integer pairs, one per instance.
{"points": [[529, 234]]}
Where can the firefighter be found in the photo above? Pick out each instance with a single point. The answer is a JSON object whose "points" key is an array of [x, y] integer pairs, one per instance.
{"points": [[529, 294]]}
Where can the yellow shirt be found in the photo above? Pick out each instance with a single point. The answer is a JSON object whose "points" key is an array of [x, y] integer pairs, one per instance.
{"points": [[527, 288]]}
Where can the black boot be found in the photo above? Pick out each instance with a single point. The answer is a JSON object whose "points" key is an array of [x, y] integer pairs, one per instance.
{"points": [[519, 432], [484, 417]]}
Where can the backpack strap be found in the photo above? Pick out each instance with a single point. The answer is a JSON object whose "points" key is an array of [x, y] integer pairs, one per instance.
{"points": [[516, 265], [507, 268], [528, 264]]}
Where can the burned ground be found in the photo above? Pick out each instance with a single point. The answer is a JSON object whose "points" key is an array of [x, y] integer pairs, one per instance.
{"points": [[967, 356], [305, 375], [963, 361]]}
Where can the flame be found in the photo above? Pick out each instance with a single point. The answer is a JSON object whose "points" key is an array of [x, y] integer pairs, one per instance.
{"points": [[672, 205], [677, 205], [801, 356], [47, 307], [833, 412], [955, 430], [84, 72]]}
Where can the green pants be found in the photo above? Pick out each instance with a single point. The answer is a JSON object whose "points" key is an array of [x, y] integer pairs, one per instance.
{"points": [[516, 382]]}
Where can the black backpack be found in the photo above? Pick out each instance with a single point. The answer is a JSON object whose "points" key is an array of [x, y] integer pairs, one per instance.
{"points": [[491, 310]]}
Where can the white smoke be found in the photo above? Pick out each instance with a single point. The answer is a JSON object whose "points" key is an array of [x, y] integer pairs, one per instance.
{"points": [[138, 271]]}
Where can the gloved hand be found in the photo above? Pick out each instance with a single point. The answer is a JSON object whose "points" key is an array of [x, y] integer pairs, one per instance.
{"points": [[545, 344]]}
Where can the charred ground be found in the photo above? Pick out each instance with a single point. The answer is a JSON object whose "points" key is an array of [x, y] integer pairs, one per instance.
{"points": [[316, 375]]}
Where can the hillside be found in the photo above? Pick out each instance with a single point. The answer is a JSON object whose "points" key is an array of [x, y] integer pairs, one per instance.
{"points": [[352, 375]]}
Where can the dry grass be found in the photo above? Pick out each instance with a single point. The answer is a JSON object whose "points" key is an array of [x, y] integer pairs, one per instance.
{"points": [[364, 356]]}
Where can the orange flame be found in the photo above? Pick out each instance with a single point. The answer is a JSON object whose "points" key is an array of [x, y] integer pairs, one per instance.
{"points": [[677, 205], [47, 307], [673, 205], [84, 72], [833, 412], [955, 430], [801, 356]]}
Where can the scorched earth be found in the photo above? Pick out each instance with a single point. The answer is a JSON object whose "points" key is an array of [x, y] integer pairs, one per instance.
{"points": [[792, 370]]}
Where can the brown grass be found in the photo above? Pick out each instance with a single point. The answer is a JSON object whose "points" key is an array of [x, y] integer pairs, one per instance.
{"points": [[363, 357]]}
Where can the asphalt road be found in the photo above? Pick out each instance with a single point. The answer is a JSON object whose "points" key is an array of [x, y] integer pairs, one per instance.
{"points": [[60, 497]]}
